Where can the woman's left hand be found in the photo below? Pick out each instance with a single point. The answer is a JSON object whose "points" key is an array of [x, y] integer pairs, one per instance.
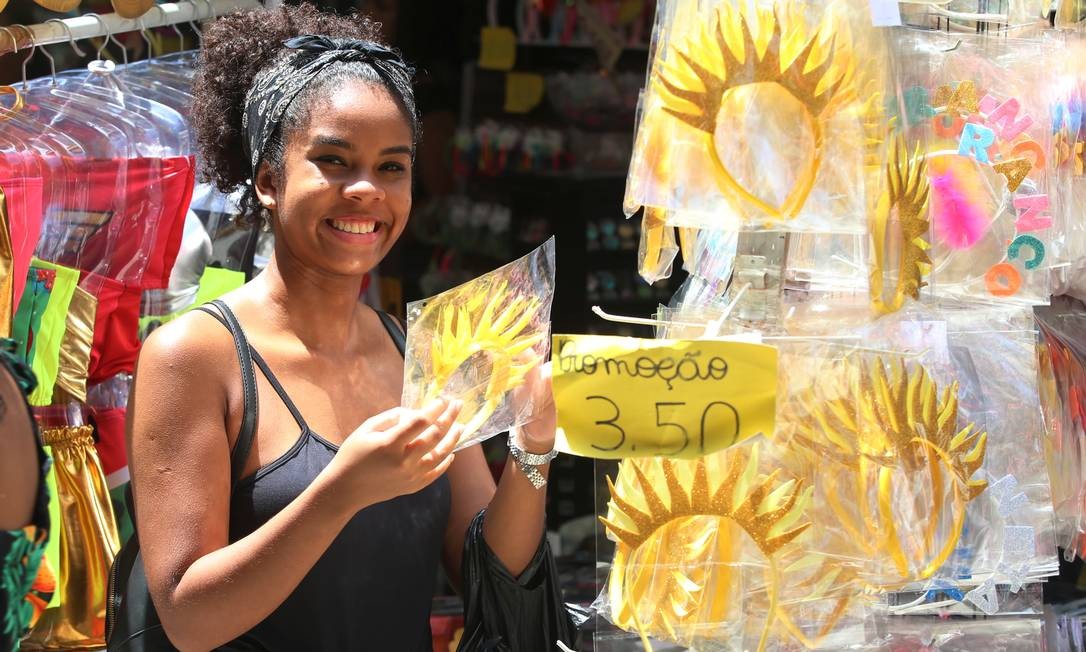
{"points": [[537, 436]]}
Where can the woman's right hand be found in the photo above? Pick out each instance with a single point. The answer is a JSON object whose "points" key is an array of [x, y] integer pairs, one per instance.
{"points": [[397, 452]]}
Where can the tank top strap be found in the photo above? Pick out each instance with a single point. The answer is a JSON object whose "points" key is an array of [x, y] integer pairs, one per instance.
{"points": [[395, 330], [264, 369], [294, 411]]}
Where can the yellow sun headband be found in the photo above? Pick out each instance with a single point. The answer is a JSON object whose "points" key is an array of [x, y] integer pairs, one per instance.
{"points": [[679, 514], [473, 329], [479, 341], [905, 195], [887, 421], [743, 46]]}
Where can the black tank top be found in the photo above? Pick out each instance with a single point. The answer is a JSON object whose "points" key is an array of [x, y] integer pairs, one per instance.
{"points": [[372, 587]]}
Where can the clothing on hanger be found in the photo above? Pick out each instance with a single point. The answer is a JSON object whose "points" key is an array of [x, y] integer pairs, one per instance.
{"points": [[23, 212]]}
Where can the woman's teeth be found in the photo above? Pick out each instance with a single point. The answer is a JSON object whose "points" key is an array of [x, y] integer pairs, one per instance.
{"points": [[353, 227]]}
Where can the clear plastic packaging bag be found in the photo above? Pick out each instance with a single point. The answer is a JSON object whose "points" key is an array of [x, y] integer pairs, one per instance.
{"points": [[928, 634], [1062, 359], [761, 114], [1067, 98], [658, 247], [1009, 536], [697, 544], [480, 341], [988, 145], [892, 466], [985, 356]]}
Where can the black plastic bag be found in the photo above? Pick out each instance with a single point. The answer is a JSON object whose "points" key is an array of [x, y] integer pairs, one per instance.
{"points": [[503, 613]]}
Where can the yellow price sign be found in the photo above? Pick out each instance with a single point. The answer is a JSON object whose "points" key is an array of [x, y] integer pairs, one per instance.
{"points": [[627, 397]]}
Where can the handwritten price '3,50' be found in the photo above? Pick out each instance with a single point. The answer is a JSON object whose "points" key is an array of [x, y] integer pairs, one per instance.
{"points": [[667, 430]]}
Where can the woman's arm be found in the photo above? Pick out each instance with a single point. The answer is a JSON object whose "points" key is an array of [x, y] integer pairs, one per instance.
{"points": [[18, 456], [207, 590], [516, 510]]}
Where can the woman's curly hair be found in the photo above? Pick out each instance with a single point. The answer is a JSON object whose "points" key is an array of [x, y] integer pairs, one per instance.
{"points": [[236, 48]]}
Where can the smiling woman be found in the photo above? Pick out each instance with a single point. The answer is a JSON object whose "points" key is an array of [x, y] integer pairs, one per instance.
{"points": [[348, 195], [254, 531]]}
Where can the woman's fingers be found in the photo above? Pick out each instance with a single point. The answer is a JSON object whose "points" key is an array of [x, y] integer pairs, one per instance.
{"points": [[413, 423], [441, 468], [433, 434], [382, 422], [445, 446]]}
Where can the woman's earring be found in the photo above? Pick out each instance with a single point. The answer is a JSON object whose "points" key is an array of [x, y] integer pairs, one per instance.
{"points": [[265, 217]]}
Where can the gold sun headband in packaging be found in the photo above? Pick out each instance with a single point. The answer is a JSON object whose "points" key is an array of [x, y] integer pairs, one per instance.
{"points": [[759, 114], [896, 469], [480, 341], [696, 544], [899, 231]]}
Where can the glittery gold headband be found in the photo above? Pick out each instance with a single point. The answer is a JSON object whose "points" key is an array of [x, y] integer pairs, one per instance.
{"points": [[744, 46], [690, 531]]}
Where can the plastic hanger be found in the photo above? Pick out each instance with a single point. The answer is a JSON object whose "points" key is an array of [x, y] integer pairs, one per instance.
{"points": [[31, 149], [173, 71], [183, 62], [102, 84], [86, 231], [173, 94]]}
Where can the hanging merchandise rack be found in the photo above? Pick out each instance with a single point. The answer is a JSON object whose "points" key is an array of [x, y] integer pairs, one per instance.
{"points": [[98, 173], [96, 26]]}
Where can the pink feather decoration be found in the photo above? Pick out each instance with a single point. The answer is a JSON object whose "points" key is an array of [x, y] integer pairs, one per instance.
{"points": [[958, 210]]}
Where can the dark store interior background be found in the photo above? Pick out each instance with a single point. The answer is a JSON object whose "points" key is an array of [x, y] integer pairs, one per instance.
{"points": [[508, 159]]}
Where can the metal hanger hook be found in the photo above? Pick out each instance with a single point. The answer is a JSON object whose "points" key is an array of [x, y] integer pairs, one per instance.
{"points": [[71, 38], [109, 37], [192, 23], [33, 49], [45, 51], [176, 29], [147, 38], [105, 39], [14, 41]]}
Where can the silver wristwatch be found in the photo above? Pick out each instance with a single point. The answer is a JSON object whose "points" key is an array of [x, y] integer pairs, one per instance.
{"points": [[529, 463]]}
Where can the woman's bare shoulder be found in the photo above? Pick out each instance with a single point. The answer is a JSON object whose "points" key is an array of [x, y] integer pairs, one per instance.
{"points": [[195, 342], [181, 382]]}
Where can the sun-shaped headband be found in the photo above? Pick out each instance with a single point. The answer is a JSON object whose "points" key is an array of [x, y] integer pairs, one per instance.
{"points": [[905, 194], [491, 330], [651, 497], [893, 417], [743, 46]]}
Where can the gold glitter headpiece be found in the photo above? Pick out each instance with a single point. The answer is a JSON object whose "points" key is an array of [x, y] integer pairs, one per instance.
{"points": [[689, 528], [882, 427], [905, 197], [480, 328], [747, 45]]}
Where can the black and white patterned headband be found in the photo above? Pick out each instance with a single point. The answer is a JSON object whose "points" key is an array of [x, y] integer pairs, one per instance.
{"points": [[275, 87]]}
